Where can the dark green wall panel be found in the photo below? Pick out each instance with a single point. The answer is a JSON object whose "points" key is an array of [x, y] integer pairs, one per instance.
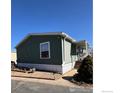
{"points": [[29, 50]]}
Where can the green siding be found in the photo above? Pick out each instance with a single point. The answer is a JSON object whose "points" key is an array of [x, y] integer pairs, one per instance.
{"points": [[29, 50], [73, 52]]}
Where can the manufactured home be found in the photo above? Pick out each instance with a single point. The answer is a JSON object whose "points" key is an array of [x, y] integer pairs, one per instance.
{"points": [[82, 49], [53, 51], [13, 56]]}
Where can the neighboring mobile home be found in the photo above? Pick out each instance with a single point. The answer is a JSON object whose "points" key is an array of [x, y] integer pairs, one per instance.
{"points": [[54, 51], [82, 49], [13, 56]]}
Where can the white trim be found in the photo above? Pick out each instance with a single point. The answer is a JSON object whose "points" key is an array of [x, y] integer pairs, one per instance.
{"points": [[64, 49], [47, 33], [48, 49], [67, 36]]}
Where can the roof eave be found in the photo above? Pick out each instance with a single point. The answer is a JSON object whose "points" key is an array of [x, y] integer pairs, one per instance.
{"points": [[58, 33]]}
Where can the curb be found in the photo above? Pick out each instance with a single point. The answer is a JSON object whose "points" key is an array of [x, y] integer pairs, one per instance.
{"points": [[33, 77]]}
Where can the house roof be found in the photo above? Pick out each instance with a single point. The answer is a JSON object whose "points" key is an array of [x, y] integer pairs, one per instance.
{"points": [[83, 43], [47, 33]]}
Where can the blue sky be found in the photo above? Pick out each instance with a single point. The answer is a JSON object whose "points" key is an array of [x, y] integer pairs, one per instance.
{"points": [[73, 17]]}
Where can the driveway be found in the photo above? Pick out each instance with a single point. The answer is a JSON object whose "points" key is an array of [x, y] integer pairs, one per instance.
{"points": [[35, 87]]}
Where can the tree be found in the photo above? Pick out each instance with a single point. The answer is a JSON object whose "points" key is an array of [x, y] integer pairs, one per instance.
{"points": [[85, 71]]}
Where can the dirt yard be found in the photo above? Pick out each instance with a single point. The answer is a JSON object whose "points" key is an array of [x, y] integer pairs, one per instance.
{"points": [[48, 78], [36, 75]]}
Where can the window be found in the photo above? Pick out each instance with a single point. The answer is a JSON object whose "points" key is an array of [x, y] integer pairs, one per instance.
{"points": [[45, 50]]}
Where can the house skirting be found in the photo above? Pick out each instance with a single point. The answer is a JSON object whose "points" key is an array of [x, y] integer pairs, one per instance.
{"points": [[67, 67], [54, 68]]}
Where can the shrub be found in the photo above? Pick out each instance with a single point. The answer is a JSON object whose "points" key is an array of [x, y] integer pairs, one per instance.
{"points": [[85, 71]]}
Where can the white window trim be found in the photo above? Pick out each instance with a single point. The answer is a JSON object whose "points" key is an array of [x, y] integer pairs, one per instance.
{"points": [[48, 49]]}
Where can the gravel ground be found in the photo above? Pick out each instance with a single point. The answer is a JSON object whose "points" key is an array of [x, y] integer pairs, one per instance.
{"points": [[36, 74], [64, 81], [35, 87]]}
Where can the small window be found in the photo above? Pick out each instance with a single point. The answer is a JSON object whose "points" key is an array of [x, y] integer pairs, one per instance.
{"points": [[45, 50]]}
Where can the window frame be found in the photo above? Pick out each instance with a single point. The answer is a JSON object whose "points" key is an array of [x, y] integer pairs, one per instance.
{"points": [[48, 50]]}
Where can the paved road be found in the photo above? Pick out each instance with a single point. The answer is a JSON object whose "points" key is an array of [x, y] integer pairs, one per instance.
{"points": [[32, 87]]}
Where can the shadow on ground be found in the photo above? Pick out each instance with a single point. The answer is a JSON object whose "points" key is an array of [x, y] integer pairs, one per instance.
{"points": [[69, 78]]}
